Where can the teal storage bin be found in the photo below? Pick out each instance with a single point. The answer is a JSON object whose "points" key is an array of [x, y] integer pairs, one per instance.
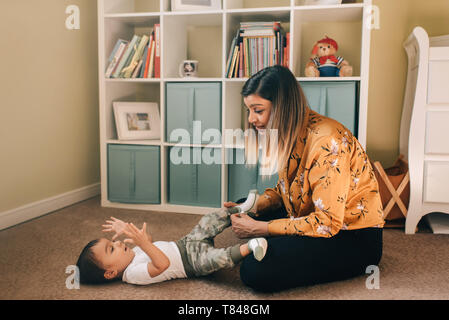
{"points": [[336, 100], [134, 174], [189, 102], [242, 178], [194, 183]]}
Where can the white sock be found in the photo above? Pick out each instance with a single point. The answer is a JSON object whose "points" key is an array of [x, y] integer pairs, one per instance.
{"points": [[250, 202], [258, 247]]}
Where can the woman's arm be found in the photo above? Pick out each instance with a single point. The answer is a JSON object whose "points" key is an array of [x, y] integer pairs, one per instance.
{"points": [[246, 227]]}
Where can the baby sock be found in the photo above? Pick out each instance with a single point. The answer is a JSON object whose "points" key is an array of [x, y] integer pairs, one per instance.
{"points": [[258, 247], [249, 204]]}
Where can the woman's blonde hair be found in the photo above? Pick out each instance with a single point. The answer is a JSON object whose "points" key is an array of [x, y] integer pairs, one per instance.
{"points": [[289, 104]]}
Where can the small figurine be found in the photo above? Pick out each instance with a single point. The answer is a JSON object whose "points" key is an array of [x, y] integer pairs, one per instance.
{"points": [[324, 63]]}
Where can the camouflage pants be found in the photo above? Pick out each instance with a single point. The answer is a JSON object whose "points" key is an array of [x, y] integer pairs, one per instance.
{"points": [[203, 257]]}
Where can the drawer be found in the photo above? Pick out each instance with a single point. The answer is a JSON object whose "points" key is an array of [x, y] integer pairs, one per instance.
{"points": [[134, 174], [436, 175], [189, 102], [242, 178], [336, 100], [436, 132], [193, 181]]}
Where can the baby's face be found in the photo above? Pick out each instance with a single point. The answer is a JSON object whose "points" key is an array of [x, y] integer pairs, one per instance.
{"points": [[113, 255]]}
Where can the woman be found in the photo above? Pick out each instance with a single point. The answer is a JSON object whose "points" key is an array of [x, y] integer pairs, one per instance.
{"points": [[324, 217]]}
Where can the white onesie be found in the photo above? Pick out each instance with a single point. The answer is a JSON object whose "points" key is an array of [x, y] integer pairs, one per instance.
{"points": [[137, 270]]}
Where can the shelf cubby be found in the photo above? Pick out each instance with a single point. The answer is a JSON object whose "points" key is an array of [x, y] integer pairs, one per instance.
{"points": [[130, 92], [343, 24], [131, 6], [125, 27], [189, 36], [244, 4]]}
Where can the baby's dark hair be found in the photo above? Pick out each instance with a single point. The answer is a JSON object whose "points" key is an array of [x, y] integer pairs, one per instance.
{"points": [[90, 269]]}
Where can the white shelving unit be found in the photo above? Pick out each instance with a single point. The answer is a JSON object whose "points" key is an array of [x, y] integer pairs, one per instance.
{"points": [[206, 36]]}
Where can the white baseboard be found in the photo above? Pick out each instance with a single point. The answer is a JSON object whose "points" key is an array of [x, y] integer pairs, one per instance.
{"points": [[39, 208]]}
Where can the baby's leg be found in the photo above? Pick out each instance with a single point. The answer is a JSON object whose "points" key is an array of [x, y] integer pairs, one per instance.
{"points": [[210, 225], [205, 258]]}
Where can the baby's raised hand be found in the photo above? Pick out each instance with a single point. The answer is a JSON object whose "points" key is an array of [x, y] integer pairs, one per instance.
{"points": [[137, 236], [115, 225]]}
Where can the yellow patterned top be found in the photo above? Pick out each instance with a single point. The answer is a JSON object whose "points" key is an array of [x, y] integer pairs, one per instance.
{"points": [[329, 184]]}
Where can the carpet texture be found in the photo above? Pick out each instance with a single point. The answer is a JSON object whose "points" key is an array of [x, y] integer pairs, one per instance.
{"points": [[34, 257]]}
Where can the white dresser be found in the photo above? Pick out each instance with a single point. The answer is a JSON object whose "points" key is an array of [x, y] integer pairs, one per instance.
{"points": [[424, 134]]}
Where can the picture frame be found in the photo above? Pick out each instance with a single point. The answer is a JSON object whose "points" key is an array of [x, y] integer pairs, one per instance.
{"points": [[195, 5], [137, 120]]}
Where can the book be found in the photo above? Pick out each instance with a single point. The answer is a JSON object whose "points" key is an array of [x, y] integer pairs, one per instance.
{"points": [[157, 51], [259, 29], [144, 62], [125, 56], [136, 58], [147, 61], [114, 50], [234, 57], [116, 58], [230, 55], [234, 44], [246, 57], [151, 62], [240, 75], [237, 61], [137, 69], [127, 63], [258, 45]]}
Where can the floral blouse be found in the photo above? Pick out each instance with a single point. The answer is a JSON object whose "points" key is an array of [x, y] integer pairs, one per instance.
{"points": [[329, 184]]}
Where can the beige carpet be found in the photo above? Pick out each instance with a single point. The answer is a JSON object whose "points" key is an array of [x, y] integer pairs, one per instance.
{"points": [[34, 256]]}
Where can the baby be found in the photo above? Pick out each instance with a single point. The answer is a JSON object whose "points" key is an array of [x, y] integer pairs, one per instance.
{"points": [[151, 262]]}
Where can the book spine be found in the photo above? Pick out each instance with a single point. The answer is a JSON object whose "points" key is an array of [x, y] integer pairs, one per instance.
{"points": [[234, 57], [125, 57], [237, 62], [144, 62], [245, 44], [230, 56], [116, 47], [254, 56], [137, 56], [127, 64], [119, 59], [151, 66], [157, 53], [147, 62], [137, 69], [115, 60], [241, 61]]}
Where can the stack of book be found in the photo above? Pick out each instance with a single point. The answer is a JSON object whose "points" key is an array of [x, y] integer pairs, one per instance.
{"points": [[138, 58], [257, 45]]}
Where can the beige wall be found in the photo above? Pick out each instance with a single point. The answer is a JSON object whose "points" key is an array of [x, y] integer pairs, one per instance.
{"points": [[388, 68], [49, 92], [49, 141]]}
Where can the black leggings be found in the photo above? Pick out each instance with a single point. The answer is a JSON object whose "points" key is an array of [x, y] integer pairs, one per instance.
{"points": [[293, 261]]}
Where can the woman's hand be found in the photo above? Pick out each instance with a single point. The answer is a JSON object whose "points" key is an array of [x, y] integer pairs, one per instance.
{"points": [[139, 237], [246, 227], [116, 225]]}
